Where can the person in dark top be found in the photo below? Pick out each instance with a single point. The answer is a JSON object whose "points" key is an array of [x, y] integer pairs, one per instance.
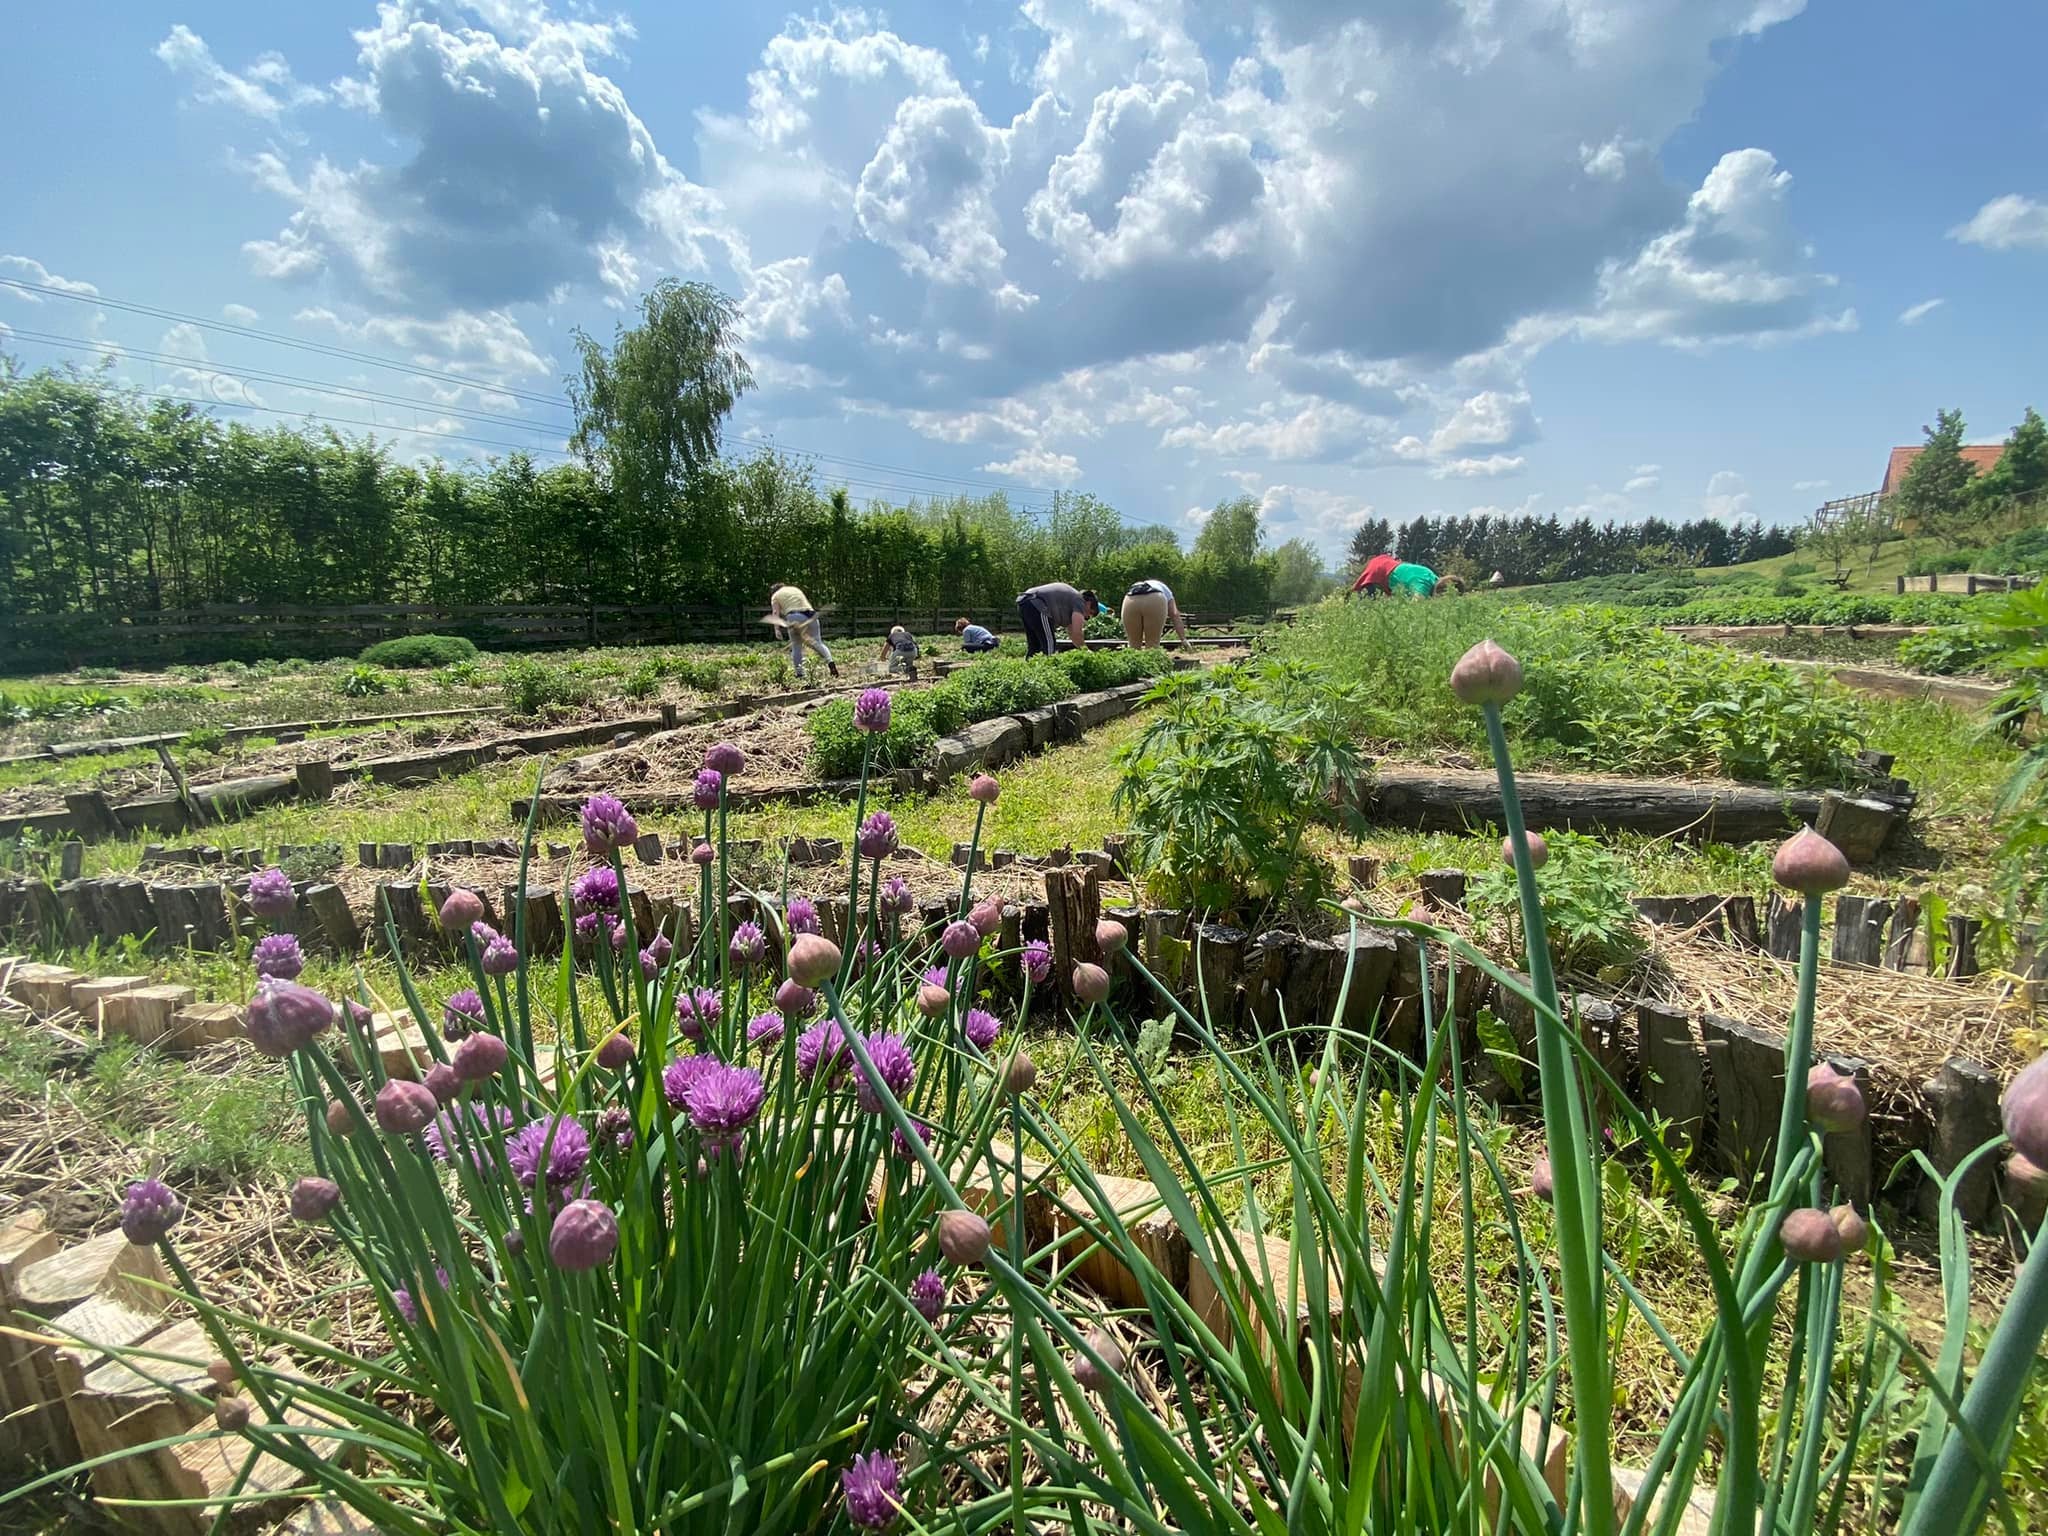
{"points": [[899, 652], [1052, 606]]}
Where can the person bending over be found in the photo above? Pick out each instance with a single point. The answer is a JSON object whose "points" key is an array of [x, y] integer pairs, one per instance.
{"points": [[1415, 580], [899, 652], [1372, 581], [799, 620], [973, 638], [1051, 606], [1148, 608]]}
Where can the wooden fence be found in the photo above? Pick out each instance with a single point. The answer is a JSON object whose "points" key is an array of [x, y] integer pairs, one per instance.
{"points": [[248, 631], [1969, 583]]}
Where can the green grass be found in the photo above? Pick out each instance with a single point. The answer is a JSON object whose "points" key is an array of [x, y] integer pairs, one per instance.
{"points": [[1873, 576]]}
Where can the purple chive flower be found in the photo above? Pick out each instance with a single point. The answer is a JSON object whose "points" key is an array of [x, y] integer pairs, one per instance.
{"points": [[496, 953], [616, 1050], [892, 1065], [586, 926], [401, 1298], [584, 1236], [677, 1076], [797, 1001], [606, 825], [982, 1027], [877, 836], [765, 1030], [444, 1137], [461, 1014], [284, 1017], [821, 1049], [616, 926], [614, 1129], [596, 889], [896, 896], [872, 1488], [271, 895], [709, 786], [960, 939], [902, 1143], [278, 957], [697, 1009], [1037, 961], [563, 1140], [725, 757], [749, 945], [655, 956], [928, 1295], [722, 1102], [149, 1211], [938, 977], [871, 710], [703, 855], [803, 915]]}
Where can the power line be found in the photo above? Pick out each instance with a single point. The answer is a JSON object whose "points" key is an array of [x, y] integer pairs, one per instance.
{"points": [[245, 376], [552, 402], [250, 333]]}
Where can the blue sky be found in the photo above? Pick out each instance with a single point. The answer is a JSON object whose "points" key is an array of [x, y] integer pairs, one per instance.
{"points": [[1627, 256]]}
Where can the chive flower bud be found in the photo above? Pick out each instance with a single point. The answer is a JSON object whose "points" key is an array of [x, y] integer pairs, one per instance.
{"points": [[963, 1237], [405, 1107], [312, 1199], [1810, 1236], [462, 910], [813, 958], [584, 1236], [1486, 674], [1810, 864]]}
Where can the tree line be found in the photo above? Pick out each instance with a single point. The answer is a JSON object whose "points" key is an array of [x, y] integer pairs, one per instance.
{"points": [[113, 502], [1530, 550]]}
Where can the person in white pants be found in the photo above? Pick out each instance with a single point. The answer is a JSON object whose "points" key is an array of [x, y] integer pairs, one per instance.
{"points": [[800, 622]]}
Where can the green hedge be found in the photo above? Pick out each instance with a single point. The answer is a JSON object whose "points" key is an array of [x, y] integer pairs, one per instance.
{"points": [[995, 686], [1820, 608], [419, 651]]}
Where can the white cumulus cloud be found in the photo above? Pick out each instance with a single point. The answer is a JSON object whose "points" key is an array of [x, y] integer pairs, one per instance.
{"points": [[2009, 223]]}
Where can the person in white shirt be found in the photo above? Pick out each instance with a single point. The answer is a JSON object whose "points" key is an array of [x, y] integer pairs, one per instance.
{"points": [[1148, 608], [799, 620]]}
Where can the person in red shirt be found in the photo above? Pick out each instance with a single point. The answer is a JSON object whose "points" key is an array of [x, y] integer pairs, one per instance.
{"points": [[1373, 579]]}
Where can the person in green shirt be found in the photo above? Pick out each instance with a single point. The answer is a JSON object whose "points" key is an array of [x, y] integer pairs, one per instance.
{"points": [[1415, 580]]}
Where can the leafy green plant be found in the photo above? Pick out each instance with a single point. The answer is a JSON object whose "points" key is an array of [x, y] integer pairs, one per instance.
{"points": [[362, 682], [704, 676], [1950, 649], [531, 686], [413, 651], [643, 682], [206, 738], [1227, 778], [21, 705], [1584, 891]]}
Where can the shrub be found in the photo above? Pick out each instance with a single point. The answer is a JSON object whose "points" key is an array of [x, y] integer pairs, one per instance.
{"points": [[208, 738], [1797, 568], [531, 686], [414, 651], [1227, 778], [1585, 893]]}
